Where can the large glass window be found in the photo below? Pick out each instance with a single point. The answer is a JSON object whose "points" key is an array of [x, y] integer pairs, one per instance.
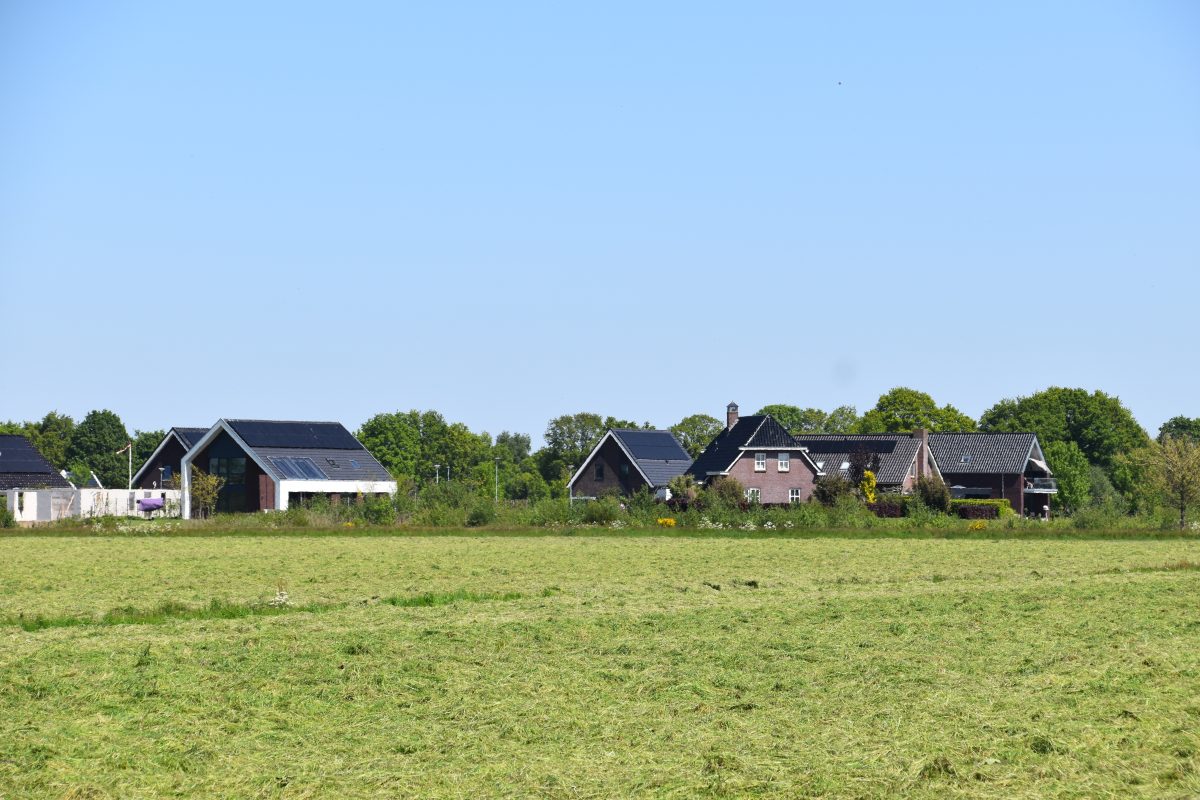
{"points": [[233, 494]]}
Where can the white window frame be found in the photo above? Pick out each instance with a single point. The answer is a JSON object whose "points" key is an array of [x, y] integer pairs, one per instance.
{"points": [[793, 495], [784, 464], [760, 462], [753, 495]]}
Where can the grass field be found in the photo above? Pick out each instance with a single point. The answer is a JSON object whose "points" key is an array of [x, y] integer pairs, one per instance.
{"points": [[598, 666]]}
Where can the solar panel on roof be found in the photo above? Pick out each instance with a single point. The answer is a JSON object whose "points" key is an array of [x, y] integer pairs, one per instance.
{"points": [[653, 445], [269, 433], [299, 469], [18, 455]]}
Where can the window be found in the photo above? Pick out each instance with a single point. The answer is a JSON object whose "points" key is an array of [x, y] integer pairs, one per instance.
{"points": [[166, 474], [752, 495], [598, 472], [760, 462], [624, 470], [820, 465], [785, 462], [966, 459], [845, 465], [793, 495]]}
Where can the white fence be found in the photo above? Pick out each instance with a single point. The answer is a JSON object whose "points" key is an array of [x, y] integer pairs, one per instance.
{"points": [[49, 505]]}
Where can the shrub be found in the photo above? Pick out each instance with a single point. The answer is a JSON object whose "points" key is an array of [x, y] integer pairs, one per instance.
{"points": [[829, 489], [378, 509], [726, 491], [483, 513], [933, 493], [683, 487], [991, 509], [888, 506], [602, 511], [7, 520], [551, 512]]}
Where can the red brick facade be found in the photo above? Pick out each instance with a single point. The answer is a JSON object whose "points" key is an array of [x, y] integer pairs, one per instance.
{"points": [[774, 486]]}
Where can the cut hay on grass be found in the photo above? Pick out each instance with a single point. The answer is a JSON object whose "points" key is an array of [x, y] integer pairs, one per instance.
{"points": [[484, 666]]}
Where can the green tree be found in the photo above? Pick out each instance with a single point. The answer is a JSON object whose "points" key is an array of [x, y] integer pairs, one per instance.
{"points": [[1173, 468], [205, 489], [410, 443], [902, 410], [1180, 427], [933, 493], [144, 445], [96, 441], [571, 437], [1098, 423], [517, 445], [812, 420], [696, 431], [1073, 474], [52, 436]]}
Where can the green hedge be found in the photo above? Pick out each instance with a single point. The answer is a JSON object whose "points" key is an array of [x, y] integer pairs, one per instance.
{"points": [[1003, 508]]}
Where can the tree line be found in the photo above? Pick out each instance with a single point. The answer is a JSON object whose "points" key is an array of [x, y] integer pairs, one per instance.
{"points": [[1097, 450]]}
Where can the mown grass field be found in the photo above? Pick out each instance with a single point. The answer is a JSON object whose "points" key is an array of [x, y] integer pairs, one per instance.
{"points": [[599, 666]]}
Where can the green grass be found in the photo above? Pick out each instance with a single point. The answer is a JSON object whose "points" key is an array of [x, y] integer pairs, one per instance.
{"points": [[598, 666]]}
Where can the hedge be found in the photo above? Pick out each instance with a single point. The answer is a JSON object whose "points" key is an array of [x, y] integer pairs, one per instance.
{"points": [[981, 509]]}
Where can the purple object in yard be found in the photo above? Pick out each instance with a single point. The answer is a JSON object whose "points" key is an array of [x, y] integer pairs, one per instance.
{"points": [[150, 504]]}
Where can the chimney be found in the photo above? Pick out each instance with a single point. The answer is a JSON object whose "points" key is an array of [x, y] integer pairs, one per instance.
{"points": [[922, 436], [731, 415]]}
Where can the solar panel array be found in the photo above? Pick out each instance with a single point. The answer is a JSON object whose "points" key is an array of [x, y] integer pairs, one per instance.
{"points": [[18, 455], [653, 445], [269, 433], [299, 469]]}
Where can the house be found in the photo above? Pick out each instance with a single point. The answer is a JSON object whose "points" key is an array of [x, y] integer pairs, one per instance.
{"points": [[23, 467], [762, 456], [268, 464], [163, 464], [1009, 466], [624, 461], [898, 459]]}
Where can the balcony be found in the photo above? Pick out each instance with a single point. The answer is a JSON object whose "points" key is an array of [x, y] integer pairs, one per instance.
{"points": [[1041, 486]]}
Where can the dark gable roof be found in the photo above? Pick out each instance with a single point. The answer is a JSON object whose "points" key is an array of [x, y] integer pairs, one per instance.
{"points": [[984, 452], [189, 436], [896, 452], [23, 467], [271, 433], [725, 447], [771, 435], [658, 454]]}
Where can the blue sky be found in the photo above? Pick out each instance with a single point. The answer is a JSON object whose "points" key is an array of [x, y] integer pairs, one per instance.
{"points": [[512, 211]]}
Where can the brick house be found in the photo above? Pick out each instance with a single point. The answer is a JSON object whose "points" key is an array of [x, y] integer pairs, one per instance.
{"points": [[899, 459], [624, 461], [1008, 466], [762, 456]]}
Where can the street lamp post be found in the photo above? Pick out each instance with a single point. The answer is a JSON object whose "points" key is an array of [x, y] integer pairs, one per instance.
{"points": [[497, 459], [437, 475]]}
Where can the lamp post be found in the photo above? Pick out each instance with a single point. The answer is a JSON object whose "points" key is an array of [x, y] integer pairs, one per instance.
{"points": [[437, 475], [497, 460], [161, 485]]}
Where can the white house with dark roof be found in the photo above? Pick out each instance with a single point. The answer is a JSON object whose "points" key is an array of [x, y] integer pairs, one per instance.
{"points": [[268, 463], [624, 461]]}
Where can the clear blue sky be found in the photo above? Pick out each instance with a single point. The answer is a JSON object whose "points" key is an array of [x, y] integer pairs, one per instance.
{"points": [[510, 211]]}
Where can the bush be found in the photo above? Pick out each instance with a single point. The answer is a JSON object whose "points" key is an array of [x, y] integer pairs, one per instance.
{"points": [[830, 489], [602, 511], [7, 520], [981, 509], [933, 493], [484, 513], [888, 506], [379, 510], [726, 491]]}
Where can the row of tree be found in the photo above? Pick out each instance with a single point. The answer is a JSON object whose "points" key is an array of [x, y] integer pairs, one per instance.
{"points": [[1098, 451]]}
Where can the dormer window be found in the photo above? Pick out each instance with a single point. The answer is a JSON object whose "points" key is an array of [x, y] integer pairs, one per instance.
{"points": [[966, 459], [760, 462], [785, 462]]}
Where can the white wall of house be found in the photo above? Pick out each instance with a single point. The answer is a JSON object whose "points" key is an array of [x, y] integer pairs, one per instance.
{"points": [[345, 488], [50, 505]]}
